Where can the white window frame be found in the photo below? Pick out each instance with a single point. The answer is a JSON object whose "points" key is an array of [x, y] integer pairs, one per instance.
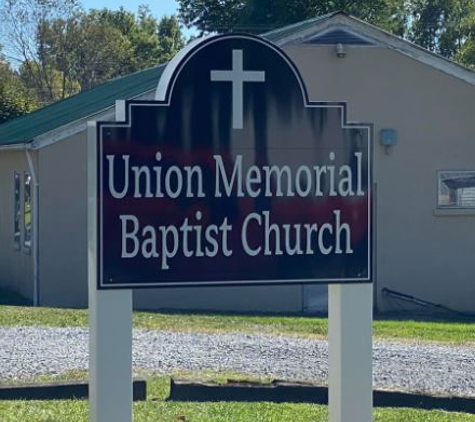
{"points": [[441, 176], [27, 210], [17, 211]]}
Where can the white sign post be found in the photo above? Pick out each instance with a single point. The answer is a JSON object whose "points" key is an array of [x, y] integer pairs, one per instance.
{"points": [[350, 381], [110, 324]]}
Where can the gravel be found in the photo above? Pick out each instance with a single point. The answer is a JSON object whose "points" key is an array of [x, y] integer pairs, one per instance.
{"points": [[26, 352]]}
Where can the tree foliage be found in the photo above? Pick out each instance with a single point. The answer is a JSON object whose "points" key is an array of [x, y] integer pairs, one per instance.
{"points": [[446, 27], [60, 49], [22, 22], [49, 41], [89, 52], [14, 98], [258, 16]]}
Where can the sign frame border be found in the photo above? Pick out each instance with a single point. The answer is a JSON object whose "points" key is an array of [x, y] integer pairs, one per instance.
{"points": [[164, 94]]}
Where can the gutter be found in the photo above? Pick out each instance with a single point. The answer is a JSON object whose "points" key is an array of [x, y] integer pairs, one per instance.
{"points": [[34, 231]]}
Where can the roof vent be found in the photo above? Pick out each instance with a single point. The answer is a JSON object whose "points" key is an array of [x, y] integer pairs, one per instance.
{"points": [[338, 36]]}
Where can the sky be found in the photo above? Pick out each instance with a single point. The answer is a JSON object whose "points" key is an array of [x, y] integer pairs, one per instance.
{"points": [[158, 7]]}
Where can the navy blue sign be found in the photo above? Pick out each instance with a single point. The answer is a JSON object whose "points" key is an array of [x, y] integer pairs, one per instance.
{"points": [[232, 176]]}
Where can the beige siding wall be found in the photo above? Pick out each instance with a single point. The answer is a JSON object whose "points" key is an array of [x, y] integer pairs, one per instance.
{"points": [[16, 265], [63, 223], [417, 251], [255, 299]]}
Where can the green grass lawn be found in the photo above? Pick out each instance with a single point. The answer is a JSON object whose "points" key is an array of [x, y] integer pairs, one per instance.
{"points": [[459, 332], [156, 408], [159, 411]]}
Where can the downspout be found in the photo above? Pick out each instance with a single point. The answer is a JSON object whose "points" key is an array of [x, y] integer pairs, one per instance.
{"points": [[34, 231]]}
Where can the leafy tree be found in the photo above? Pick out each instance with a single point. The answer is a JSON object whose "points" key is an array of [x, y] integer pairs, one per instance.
{"points": [[59, 49], [89, 52], [58, 86], [138, 47], [171, 38], [440, 25], [14, 98], [446, 27], [258, 16], [211, 15], [465, 52], [153, 41], [123, 43], [22, 22]]}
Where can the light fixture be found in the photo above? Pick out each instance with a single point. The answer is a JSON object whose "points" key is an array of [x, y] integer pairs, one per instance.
{"points": [[340, 50], [387, 138]]}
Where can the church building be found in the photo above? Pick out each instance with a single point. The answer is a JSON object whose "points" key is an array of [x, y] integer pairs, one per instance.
{"points": [[421, 110]]}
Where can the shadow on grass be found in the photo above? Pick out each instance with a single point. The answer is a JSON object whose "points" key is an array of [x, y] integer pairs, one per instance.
{"points": [[442, 317], [10, 298]]}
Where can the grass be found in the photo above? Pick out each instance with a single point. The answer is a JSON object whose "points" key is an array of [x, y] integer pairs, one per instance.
{"points": [[153, 411], [457, 332], [149, 411], [156, 408]]}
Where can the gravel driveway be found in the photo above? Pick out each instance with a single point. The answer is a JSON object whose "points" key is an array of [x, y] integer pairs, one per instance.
{"points": [[439, 369]]}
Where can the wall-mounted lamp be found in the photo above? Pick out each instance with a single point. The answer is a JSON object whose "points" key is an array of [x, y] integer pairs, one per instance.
{"points": [[387, 138], [340, 50]]}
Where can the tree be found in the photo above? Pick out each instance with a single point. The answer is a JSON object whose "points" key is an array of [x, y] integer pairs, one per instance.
{"points": [[60, 49], [438, 25], [446, 27], [211, 15], [258, 16], [153, 41], [22, 22], [465, 52], [89, 52], [58, 86], [171, 38], [14, 98], [122, 43]]}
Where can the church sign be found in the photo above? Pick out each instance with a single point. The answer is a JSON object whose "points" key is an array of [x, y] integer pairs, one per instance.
{"points": [[232, 176]]}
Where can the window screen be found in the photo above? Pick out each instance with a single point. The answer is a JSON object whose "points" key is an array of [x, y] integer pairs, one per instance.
{"points": [[456, 189]]}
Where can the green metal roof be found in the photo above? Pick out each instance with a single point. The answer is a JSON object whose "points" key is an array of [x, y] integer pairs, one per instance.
{"points": [[87, 103], [24, 129]]}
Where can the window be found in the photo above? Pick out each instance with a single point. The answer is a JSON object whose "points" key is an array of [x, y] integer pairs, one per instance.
{"points": [[456, 189], [16, 210], [27, 210]]}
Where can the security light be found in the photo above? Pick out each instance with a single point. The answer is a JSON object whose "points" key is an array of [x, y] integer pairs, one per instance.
{"points": [[340, 51]]}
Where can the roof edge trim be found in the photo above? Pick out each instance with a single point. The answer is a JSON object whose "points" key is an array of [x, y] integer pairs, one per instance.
{"points": [[15, 147], [76, 126], [384, 39]]}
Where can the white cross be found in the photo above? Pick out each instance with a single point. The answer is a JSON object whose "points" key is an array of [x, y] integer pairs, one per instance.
{"points": [[237, 76]]}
